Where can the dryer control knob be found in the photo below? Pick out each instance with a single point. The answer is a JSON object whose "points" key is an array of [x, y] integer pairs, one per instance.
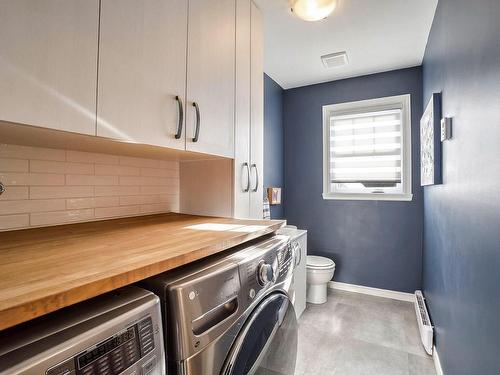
{"points": [[265, 273], [251, 293]]}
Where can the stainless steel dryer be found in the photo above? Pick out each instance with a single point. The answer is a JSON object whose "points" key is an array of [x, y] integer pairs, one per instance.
{"points": [[116, 333], [233, 314]]}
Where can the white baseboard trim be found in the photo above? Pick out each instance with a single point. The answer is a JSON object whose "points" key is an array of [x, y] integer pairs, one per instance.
{"points": [[401, 296], [437, 362]]}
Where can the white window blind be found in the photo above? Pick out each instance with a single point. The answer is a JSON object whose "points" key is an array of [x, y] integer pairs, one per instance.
{"points": [[366, 148]]}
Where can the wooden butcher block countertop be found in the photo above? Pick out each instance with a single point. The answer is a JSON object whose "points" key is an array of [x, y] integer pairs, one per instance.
{"points": [[45, 269]]}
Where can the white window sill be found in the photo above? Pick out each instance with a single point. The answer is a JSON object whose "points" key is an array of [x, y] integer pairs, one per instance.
{"points": [[368, 197]]}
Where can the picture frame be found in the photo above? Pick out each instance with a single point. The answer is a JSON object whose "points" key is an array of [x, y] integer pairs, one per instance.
{"points": [[430, 143], [274, 195]]}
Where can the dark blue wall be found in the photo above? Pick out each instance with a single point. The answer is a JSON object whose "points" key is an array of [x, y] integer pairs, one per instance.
{"points": [[273, 140], [462, 217], [374, 243]]}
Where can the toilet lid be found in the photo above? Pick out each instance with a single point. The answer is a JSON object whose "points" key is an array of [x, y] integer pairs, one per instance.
{"points": [[314, 261]]}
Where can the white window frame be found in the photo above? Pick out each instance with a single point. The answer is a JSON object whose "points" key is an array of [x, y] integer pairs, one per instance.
{"points": [[392, 102]]}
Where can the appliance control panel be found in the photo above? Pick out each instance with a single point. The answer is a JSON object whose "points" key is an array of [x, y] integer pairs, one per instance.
{"points": [[113, 355], [261, 268], [286, 261]]}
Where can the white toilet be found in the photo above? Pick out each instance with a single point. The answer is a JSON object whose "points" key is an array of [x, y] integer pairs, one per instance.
{"points": [[320, 271]]}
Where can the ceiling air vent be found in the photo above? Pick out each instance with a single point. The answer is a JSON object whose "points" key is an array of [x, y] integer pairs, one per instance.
{"points": [[335, 60]]}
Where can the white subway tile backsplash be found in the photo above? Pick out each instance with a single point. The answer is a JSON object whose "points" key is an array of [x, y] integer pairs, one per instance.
{"points": [[26, 153], [158, 181], [78, 203], [43, 192], [13, 165], [130, 180], [91, 180], [90, 157], [49, 187], [139, 162], [159, 172], [139, 199], [169, 198], [117, 211], [31, 179], [15, 193], [108, 191], [148, 181], [167, 164], [34, 205], [44, 166], [116, 170], [156, 207], [61, 217], [14, 221], [151, 190]]}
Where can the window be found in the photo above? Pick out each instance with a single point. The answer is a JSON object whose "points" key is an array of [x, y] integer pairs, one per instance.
{"points": [[367, 149]]}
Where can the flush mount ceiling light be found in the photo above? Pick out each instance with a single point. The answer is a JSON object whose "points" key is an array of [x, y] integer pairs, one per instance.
{"points": [[313, 10]]}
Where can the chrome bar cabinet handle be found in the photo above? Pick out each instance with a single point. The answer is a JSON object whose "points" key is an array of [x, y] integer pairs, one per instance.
{"points": [[198, 119], [181, 117], [245, 165], [256, 177]]}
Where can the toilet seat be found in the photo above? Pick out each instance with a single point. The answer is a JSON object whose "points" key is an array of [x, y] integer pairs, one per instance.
{"points": [[319, 263]]}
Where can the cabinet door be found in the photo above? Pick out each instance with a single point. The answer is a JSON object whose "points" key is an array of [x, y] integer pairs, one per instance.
{"points": [[257, 113], [242, 115], [210, 76], [48, 63], [300, 276], [142, 69]]}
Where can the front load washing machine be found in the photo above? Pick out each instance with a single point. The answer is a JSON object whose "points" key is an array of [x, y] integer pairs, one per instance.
{"points": [[118, 333], [231, 315]]}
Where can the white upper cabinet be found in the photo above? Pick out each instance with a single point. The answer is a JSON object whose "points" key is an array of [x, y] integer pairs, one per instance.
{"points": [[210, 77], [155, 72], [249, 126], [142, 71], [48, 63], [257, 113], [242, 180]]}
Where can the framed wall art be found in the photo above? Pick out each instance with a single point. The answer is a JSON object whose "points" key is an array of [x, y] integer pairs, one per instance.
{"points": [[430, 143], [274, 195]]}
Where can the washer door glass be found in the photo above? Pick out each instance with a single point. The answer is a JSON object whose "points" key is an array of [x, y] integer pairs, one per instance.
{"points": [[267, 343]]}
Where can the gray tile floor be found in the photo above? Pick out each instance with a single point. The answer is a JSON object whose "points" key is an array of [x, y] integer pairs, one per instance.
{"points": [[356, 334]]}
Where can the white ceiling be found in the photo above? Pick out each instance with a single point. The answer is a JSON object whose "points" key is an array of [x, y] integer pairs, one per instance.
{"points": [[378, 35]]}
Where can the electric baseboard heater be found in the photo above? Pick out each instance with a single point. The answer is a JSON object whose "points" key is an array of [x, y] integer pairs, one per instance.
{"points": [[424, 322]]}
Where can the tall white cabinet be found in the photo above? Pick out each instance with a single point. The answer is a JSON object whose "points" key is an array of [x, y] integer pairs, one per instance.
{"points": [[249, 124], [48, 63], [210, 77], [257, 113], [242, 176], [142, 71]]}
